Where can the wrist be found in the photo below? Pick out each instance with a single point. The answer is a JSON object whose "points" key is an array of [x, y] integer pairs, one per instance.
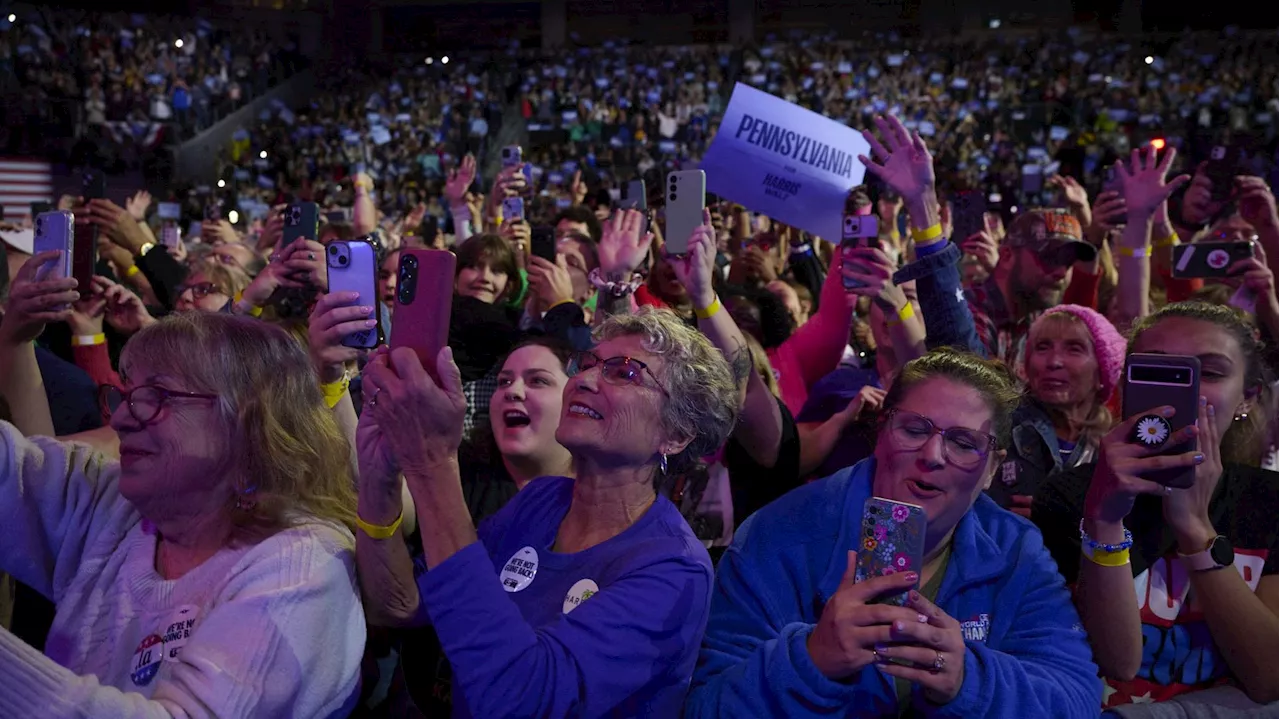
{"points": [[330, 373], [923, 210], [1195, 537], [701, 300], [1104, 530], [380, 501]]}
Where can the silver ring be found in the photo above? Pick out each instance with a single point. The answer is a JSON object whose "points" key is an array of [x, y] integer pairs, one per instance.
{"points": [[1168, 491], [875, 655], [939, 662], [311, 255]]}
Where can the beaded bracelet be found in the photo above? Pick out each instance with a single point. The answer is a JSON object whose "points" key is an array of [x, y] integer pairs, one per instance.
{"points": [[1096, 546], [617, 289]]}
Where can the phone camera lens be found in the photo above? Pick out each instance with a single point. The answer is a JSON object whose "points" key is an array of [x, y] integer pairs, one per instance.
{"points": [[342, 260], [333, 250], [673, 197], [874, 510]]}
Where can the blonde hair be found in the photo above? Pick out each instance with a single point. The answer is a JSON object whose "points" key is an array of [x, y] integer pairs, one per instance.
{"points": [[285, 449], [229, 280], [702, 396], [1098, 422], [760, 362]]}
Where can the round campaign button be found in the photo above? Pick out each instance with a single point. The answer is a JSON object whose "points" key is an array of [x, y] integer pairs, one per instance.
{"points": [[581, 591], [1152, 430], [146, 660], [520, 570], [1218, 259]]}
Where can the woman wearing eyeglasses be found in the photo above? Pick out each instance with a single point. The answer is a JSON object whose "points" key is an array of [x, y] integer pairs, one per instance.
{"points": [[990, 631], [581, 597], [208, 572], [210, 288]]}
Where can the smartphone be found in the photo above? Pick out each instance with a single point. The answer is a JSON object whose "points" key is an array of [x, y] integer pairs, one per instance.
{"points": [[1156, 380], [170, 236], [542, 243], [634, 197], [352, 266], [1221, 169], [686, 198], [858, 231], [337, 217], [301, 219], [55, 231], [512, 155], [967, 211], [93, 185], [213, 210], [513, 209], [169, 211], [424, 301], [1208, 259], [892, 541], [84, 252]]}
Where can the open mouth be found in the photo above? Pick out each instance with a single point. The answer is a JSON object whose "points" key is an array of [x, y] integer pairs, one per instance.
{"points": [[513, 418], [923, 489], [581, 410]]}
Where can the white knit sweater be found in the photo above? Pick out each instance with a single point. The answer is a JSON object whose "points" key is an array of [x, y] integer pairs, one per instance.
{"points": [[270, 630]]}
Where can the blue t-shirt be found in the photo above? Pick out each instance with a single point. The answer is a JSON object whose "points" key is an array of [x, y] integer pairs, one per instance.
{"points": [[611, 630]]}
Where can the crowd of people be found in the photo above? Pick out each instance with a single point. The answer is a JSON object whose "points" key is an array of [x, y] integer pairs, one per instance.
{"points": [[771, 475]]}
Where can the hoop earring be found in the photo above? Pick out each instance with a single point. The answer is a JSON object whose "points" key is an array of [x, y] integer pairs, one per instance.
{"points": [[662, 464]]}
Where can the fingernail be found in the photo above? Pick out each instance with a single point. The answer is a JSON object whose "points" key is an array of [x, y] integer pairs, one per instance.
{"points": [[1199, 458], [922, 619], [366, 308], [900, 626], [1168, 412], [1211, 411], [881, 647], [1203, 401], [911, 577], [370, 323]]}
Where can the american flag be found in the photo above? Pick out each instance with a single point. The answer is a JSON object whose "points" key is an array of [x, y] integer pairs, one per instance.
{"points": [[23, 182]]}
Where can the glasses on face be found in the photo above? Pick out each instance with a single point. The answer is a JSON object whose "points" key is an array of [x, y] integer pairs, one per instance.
{"points": [[964, 448], [145, 401], [227, 259], [200, 290], [1234, 234], [615, 370]]}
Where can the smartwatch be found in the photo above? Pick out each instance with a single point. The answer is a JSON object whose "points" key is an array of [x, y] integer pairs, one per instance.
{"points": [[1217, 555]]}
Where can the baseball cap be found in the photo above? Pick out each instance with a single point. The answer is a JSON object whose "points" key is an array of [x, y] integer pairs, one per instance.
{"points": [[1053, 234]]}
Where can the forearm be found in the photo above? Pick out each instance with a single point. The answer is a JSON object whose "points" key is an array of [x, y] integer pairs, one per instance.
{"points": [[923, 211], [907, 335], [384, 566], [817, 441], [364, 216], [22, 386], [445, 521], [759, 428], [609, 304], [723, 332], [104, 440], [1133, 299], [1108, 606]]}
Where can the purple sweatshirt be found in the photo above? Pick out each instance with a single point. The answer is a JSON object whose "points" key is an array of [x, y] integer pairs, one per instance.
{"points": [[610, 631]]}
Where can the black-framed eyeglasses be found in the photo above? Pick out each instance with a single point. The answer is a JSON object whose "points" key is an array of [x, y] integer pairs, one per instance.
{"points": [[145, 401], [962, 447], [618, 370], [199, 290]]}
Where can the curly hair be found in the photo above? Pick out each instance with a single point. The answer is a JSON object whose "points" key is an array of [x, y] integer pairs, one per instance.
{"points": [[989, 378], [283, 444], [702, 397]]}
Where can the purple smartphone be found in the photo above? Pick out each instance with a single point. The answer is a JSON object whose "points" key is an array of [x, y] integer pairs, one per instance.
{"points": [[353, 267]]}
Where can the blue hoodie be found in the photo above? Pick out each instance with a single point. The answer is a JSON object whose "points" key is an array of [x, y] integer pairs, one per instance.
{"points": [[1027, 652]]}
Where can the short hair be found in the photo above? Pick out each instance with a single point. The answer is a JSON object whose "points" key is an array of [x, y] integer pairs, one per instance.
{"points": [[583, 214], [494, 251], [990, 378], [283, 442], [231, 281], [702, 396]]}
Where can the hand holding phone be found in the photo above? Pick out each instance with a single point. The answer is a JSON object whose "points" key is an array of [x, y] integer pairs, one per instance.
{"points": [[55, 231], [352, 266], [1152, 382]]}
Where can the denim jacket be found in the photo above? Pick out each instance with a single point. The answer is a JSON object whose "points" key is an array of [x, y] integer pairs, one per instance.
{"points": [[947, 319], [1033, 455]]}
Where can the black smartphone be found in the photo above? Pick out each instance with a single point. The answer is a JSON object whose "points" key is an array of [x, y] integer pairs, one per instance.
{"points": [[967, 210], [542, 243], [1156, 380], [1208, 259], [1221, 169], [93, 185], [213, 209], [634, 197], [301, 219]]}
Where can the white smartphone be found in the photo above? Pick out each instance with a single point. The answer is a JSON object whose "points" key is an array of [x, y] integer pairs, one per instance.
{"points": [[686, 199], [55, 231]]}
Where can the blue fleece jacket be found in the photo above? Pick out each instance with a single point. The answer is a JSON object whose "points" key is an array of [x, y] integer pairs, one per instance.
{"points": [[1027, 652]]}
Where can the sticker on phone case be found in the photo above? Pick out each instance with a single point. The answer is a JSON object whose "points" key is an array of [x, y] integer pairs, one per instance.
{"points": [[1218, 259], [520, 570], [1152, 430], [581, 591]]}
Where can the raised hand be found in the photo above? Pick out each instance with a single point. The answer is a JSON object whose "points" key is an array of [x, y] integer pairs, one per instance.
{"points": [[138, 204], [459, 182], [1257, 204], [622, 246], [1142, 183], [872, 271], [334, 317], [904, 162], [695, 269], [87, 314], [422, 420], [550, 281], [578, 188], [35, 301], [118, 224], [984, 247]]}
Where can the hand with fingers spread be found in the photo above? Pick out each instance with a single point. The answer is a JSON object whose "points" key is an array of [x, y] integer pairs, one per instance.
{"points": [[873, 271], [902, 161], [1118, 478], [550, 281], [1257, 203], [983, 246], [421, 420], [138, 204], [695, 269], [929, 654], [459, 182], [35, 301], [622, 246], [1073, 193], [852, 628], [335, 316], [1142, 182]]}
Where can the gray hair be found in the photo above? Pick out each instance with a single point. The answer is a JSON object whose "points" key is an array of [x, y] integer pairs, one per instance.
{"points": [[702, 397]]}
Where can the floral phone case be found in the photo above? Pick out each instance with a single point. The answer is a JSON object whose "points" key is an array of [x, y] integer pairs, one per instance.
{"points": [[892, 540]]}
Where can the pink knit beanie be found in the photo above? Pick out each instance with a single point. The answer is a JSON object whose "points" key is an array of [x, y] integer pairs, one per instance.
{"points": [[1108, 345]]}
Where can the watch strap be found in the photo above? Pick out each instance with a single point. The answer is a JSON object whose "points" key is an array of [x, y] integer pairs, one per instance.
{"points": [[1202, 560]]}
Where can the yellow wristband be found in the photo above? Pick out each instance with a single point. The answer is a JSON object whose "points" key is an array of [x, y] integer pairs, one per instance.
{"points": [[378, 531], [1108, 559], [905, 313], [88, 340], [333, 391], [928, 234], [133, 270], [710, 310], [1134, 251], [1169, 241], [561, 302]]}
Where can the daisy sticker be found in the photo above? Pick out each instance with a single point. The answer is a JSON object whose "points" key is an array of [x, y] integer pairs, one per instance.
{"points": [[1152, 430]]}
